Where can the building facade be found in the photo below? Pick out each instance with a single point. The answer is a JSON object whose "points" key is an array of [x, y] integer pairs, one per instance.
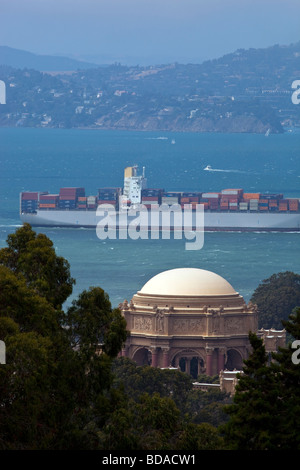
{"points": [[190, 319]]}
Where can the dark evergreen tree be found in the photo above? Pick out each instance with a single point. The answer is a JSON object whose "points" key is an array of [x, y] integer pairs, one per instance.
{"points": [[276, 297], [254, 422], [51, 386], [286, 368], [33, 256]]}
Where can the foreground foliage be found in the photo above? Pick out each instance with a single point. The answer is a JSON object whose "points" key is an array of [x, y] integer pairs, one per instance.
{"points": [[60, 387], [264, 414]]}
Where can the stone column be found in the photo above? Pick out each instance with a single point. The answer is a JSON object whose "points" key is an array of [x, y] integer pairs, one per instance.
{"points": [[123, 352], [221, 359], [209, 365], [154, 361], [177, 359], [165, 360]]}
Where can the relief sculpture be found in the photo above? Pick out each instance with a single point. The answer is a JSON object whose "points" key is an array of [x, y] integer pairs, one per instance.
{"points": [[142, 323], [189, 325], [234, 325]]}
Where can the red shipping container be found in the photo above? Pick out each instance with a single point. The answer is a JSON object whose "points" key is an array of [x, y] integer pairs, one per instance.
{"points": [[67, 198], [102, 201], [229, 199], [47, 206], [151, 206], [149, 198], [49, 197], [29, 196]]}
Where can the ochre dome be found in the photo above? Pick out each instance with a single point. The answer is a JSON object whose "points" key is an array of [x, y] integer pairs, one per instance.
{"points": [[187, 282]]}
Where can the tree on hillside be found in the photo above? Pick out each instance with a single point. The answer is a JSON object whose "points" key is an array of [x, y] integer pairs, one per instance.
{"points": [[265, 411], [276, 297], [254, 423], [146, 379], [33, 256], [93, 323], [286, 367], [25, 306], [51, 387]]}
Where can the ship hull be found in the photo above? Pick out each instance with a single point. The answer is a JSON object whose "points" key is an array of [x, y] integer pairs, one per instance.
{"points": [[213, 221]]}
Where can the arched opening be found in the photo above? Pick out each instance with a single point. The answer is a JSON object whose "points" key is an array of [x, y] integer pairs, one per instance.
{"points": [[234, 360], [189, 363], [194, 367], [182, 364], [142, 357]]}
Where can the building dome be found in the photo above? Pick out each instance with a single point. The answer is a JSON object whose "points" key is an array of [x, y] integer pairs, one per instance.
{"points": [[189, 318], [187, 282]]}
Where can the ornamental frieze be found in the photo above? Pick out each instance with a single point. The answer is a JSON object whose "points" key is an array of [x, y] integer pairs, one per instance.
{"points": [[142, 323], [234, 325], [189, 325]]}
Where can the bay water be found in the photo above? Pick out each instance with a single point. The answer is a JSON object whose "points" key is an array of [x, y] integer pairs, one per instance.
{"points": [[48, 159]]}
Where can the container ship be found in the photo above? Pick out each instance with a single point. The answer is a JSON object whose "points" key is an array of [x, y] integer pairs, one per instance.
{"points": [[225, 210]]}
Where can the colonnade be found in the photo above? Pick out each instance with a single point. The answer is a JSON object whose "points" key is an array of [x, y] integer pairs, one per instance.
{"points": [[211, 360]]}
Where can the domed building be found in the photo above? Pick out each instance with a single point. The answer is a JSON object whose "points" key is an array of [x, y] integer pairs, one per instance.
{"points": [[190, 319]]}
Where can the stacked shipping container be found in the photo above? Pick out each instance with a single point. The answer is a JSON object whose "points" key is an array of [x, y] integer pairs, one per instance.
{"points": [[170, 198], [293, 205], [68, 197], [151, 198], [192, 199], [226, 200], [48, 201], [29, 202]]}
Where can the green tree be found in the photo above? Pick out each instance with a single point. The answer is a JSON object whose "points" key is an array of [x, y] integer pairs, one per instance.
{"points": [[276, 297], [266, 405], [150, 423], [286, 368], [146, 379], [33, 256], [56, 379], [200, 437], [92, 323], [254, 423], [25, 391], [22, 304]]}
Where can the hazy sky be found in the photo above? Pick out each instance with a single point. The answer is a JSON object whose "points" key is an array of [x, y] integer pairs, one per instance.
{"points": [[147, 31]]}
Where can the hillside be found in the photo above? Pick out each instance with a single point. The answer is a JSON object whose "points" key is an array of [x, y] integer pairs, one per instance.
{"points": [[22, 59], [246, 91]]}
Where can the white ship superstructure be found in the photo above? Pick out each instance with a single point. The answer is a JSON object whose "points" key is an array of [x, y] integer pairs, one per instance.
{"points": [[133, 186]]}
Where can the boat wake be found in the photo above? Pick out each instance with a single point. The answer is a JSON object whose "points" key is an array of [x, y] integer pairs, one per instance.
{"points": [[209, 168]]}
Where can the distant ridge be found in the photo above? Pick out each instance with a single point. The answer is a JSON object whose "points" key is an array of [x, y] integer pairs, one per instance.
{"points": [[43, 63], [247, 91]]}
